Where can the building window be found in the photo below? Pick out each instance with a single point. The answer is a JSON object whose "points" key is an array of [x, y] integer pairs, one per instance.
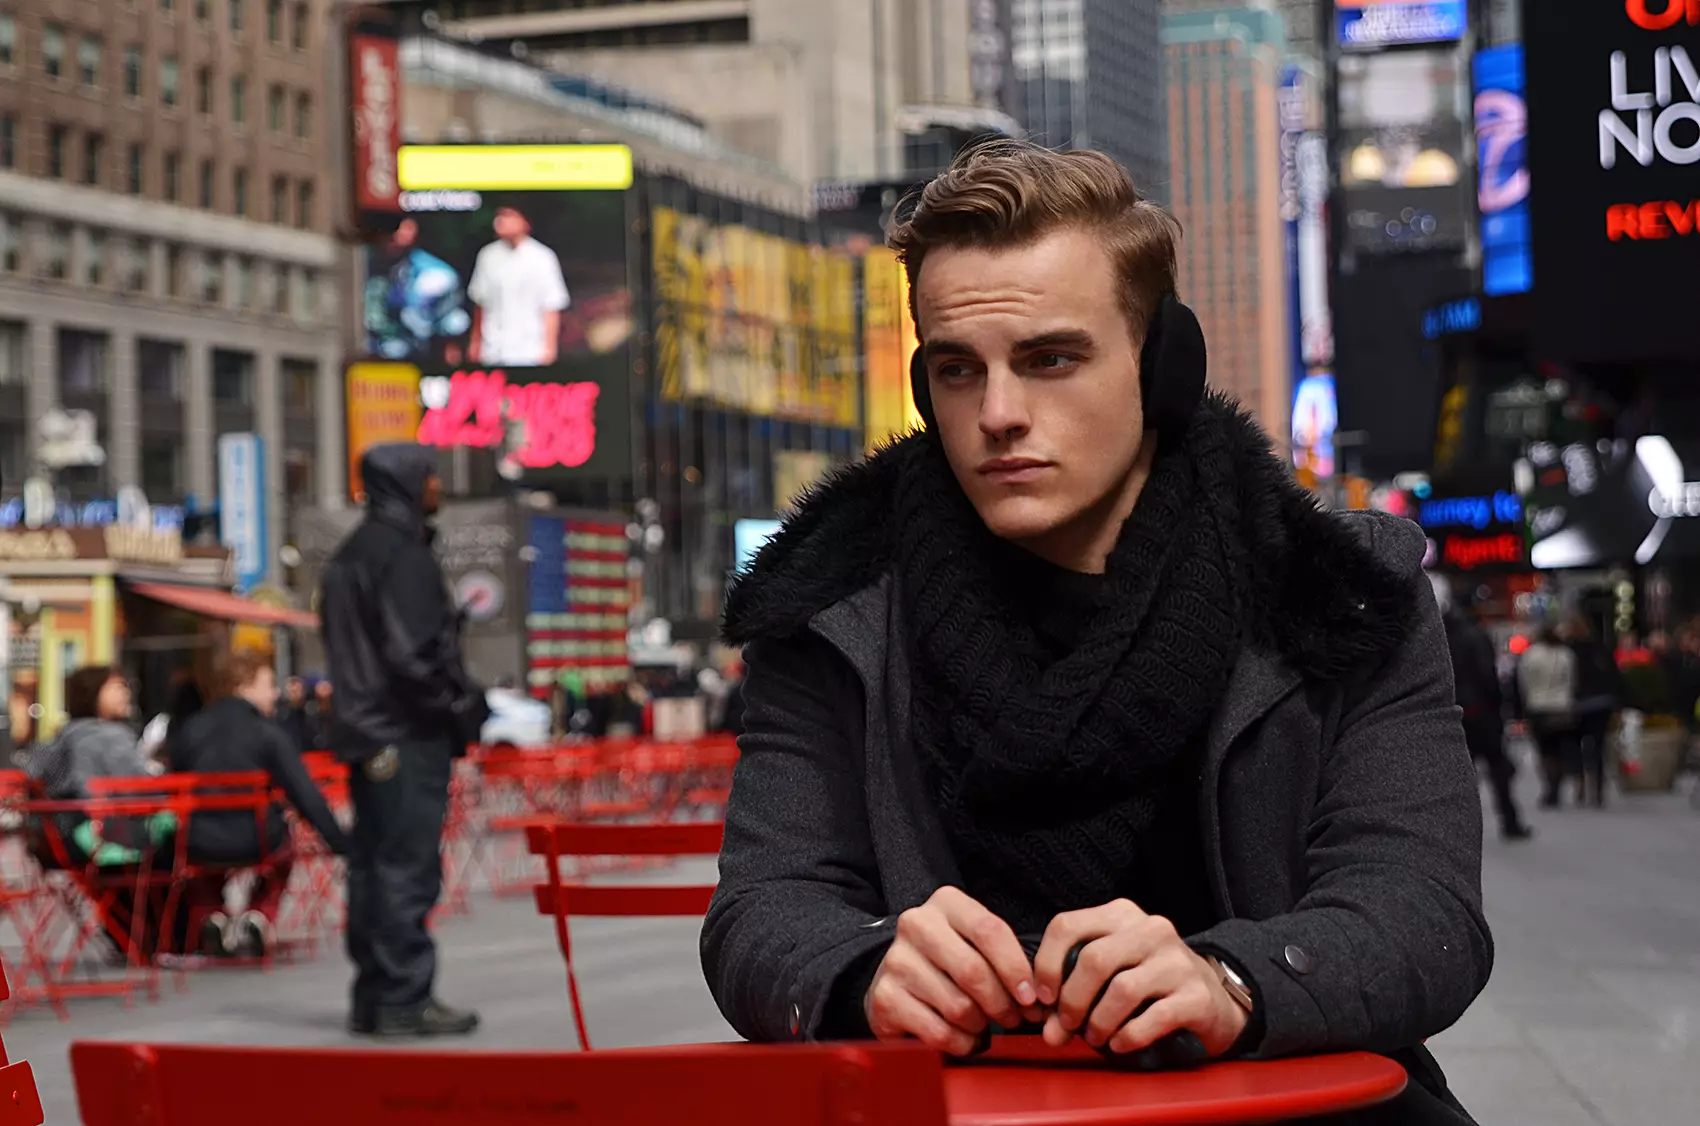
{"points": [[57, 138], [88, 60], [172, 188], [303, 116], [239, 192], [58, 258], [94, 155], [300, 387], [207, 173], [280, 200], [276, 109], [133, 171], [211, 289], [203, 90], [13, 373], [82, 362], [159, 367], [304, 205], [298, 484], [8, 39], [174, 271], [242, 282], [167, 5], [274, 21], [94, 266], [52, 50], [235, 16], [8, 141], [232, 378], [280, 291], [203, 10], [239, 100], [11, 244], [168, 79], [309, 309], [132, 72], [298, 28], [161, 460], [134, 269]]}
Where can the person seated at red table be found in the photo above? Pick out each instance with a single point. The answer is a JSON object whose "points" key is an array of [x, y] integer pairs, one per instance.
{"points": [[236, 734], [1080, 661]]}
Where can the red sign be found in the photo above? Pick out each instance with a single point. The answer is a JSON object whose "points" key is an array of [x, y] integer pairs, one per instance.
{"points": [[1469, 552], [555, 422], [374, 82]]}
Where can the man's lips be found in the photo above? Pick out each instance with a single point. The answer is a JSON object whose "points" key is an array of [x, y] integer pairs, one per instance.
{"points": [[1013, 470]]}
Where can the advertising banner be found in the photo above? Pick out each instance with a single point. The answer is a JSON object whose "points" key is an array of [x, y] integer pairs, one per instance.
{"points": [[888, 340], [383, 407], [374, 86], [1502, 188], [755, 321], [1372, 24], [242, 505], [1614, 141]]}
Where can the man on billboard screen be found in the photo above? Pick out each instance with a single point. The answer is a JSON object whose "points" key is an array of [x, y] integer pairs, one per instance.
{"points": [[518, 295]]}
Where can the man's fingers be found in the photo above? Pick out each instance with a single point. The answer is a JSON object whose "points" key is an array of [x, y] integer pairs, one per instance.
{"points": [[995, 943], [933, 987], [1069, 930], [901, 1015], [1128, 990], [1163, 1017]]}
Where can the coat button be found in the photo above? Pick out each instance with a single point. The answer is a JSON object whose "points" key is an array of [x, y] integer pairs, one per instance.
{"points": [[1298, 959], [796, 1020]]}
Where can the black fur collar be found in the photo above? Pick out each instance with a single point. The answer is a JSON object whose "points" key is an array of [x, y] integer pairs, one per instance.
{"points": [[1320, 597]]}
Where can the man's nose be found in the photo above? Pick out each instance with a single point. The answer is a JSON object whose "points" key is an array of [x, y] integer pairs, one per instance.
{"points": [[1003, 406]]}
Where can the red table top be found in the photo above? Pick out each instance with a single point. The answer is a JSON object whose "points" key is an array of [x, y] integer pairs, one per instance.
{"points": [[1024, 1083]]}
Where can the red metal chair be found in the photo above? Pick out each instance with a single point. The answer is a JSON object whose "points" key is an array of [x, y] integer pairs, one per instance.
{"points": [[561, 899], [20, 1102], [122, 1084]]}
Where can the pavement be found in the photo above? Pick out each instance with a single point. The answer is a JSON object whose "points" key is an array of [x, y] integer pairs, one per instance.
{"points": [[1592, 1017]]}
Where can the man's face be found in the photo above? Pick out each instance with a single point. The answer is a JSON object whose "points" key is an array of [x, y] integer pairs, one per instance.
{"points": [[431, 495], [511, 225], [295, 690], [406, 234], [1034, 375]]}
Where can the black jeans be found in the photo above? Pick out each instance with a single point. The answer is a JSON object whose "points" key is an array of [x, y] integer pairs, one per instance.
{"points": [[395, 874], [1592, 729], [1485, 736]]}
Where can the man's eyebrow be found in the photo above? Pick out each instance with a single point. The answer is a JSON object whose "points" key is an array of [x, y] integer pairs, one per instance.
{"points": [[1063, 338], [933, 349]]}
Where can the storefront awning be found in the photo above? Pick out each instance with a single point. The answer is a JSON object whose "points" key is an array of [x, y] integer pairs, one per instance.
{"points": [[214, 603]]}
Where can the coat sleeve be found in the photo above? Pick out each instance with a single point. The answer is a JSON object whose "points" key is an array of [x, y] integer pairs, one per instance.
{"points": [[798, 905], [1388, 944]]}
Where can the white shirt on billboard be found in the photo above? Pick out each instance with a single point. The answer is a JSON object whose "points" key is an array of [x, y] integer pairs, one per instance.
{"points": [[516, 287]]}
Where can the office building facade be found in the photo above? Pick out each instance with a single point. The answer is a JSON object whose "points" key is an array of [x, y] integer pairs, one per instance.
{"points": [[166, 256]]}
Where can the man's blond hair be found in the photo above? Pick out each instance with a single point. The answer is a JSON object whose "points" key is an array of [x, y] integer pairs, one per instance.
{"points": [[1009, 193]]}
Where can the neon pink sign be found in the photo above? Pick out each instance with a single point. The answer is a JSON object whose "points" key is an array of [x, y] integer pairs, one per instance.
{"points": [[553, 424]]}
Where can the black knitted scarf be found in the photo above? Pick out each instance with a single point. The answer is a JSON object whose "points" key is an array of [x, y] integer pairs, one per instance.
{"points": [[1049, 773]]}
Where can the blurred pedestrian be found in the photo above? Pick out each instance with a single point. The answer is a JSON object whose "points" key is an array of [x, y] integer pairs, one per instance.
{"points": [[323, 727], [1547, 675], [1080, 663], [294, 714], [232, 735], [157, 736], [1481, 698], [405, 710], [1599, 695]]}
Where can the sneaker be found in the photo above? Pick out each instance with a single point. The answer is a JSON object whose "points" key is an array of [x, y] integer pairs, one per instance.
{"points": [[255, 935], [431, 1019], [215, 935], [1517, 833]]}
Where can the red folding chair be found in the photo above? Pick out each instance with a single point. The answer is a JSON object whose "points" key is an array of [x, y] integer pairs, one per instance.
{"points": [[121, 1084], [247, 794], [20, 1102], [312, 907], [561, 899]]}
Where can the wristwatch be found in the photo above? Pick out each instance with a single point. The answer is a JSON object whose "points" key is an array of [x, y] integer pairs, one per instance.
{"points": [[1232, 982]]}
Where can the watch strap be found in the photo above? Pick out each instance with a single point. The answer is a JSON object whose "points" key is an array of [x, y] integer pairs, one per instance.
{"points": [[1235, 985]]}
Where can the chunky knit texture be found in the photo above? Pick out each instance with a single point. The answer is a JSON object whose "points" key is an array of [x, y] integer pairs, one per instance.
{"points": [[1049, 770]]}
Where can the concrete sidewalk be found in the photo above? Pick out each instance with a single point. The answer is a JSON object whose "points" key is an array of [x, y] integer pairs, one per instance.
{"points": [[1592, 1017]]}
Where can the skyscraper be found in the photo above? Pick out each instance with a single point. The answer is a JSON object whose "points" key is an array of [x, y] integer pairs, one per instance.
{"points": [[1224, 68], [1089, 74]]}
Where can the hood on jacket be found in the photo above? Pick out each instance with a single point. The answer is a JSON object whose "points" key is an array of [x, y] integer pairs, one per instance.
{"points": [[1320, 597], [394, 477]]}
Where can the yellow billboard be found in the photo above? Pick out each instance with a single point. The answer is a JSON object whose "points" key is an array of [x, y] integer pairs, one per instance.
{"points": [[888, 340], [383, 406], [495, 168], [755, 321]]}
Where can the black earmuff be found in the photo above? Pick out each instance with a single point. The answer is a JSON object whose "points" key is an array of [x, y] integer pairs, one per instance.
{"points": [[1172, 368]]}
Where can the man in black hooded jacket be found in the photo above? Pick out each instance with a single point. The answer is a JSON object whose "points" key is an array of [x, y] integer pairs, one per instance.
{"points": [[405, 710]]}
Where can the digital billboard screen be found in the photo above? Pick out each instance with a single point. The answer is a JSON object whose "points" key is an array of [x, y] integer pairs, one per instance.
{"points": [[1614, 140], [1502, 181], [1372, 24]]}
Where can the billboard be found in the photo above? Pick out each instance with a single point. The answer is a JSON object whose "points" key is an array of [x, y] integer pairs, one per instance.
{"points": [[374, 94], [755, 321], [1316, 416], [383, 407], [888, 340], [1373, 24], [1614, 143], [242, 505], [1502, 178]]}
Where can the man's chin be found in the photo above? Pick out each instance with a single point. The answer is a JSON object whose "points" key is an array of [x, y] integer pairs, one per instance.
{"points": [[1021, 519]]}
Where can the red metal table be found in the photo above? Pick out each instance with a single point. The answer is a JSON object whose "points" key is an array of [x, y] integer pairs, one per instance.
{"points": [[1024, 1083]]}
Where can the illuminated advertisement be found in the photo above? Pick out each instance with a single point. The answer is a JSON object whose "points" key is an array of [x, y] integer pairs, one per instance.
{"points": [[1476, 531], [1402, 132], [383, 407], [1316, 415], [577, 604], [1614, 142], [888, 340], [1502, 185], [755, 321], [1620, 502], [1372, 24]]}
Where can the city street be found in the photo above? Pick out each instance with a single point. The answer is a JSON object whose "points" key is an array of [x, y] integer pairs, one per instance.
{"points": [[1592, 1017]]}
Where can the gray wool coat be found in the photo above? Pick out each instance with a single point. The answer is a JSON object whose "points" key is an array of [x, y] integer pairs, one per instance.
{"points": [[1342, 822]]}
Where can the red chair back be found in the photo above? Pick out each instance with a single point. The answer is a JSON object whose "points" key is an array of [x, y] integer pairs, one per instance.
{"points": [[18, 1080], [122, 1084]]}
